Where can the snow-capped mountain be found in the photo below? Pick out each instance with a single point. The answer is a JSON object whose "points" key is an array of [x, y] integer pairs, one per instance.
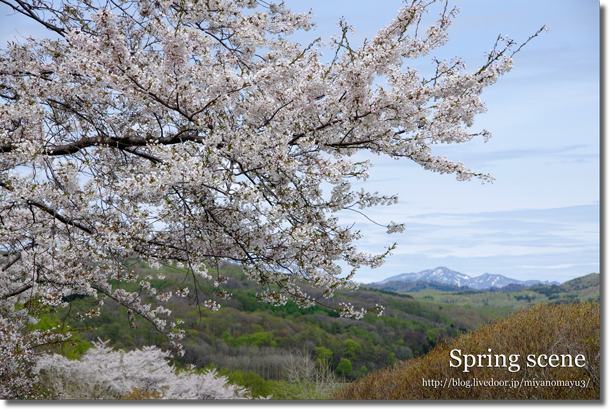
{"points": [[446, 276]]}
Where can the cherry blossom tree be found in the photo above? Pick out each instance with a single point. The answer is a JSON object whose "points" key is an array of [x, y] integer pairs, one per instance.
{"points": [[193, 132], [103, 373]]}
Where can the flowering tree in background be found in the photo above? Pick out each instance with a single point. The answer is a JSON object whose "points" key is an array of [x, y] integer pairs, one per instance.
{"points": [[103, 373], [194, 132]]}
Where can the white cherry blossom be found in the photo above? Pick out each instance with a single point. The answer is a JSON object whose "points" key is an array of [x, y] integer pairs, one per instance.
{"points": [[190, 133]]}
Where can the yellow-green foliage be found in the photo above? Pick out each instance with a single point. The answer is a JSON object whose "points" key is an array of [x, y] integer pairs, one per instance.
{"points": [[545, 329], [74, 348]]}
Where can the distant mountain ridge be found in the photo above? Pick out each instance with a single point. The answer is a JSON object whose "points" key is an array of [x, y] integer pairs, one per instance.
{"points": [[446, 276]]}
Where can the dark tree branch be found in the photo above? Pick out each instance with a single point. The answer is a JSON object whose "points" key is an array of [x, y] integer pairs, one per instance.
{"points": [[28, 11]]}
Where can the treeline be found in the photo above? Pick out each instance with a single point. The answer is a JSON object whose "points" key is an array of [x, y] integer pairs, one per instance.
{"points": [[419, 285], [252, 337]]}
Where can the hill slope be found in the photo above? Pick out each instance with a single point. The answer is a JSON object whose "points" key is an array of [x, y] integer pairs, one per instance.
{"points": [[553, 329], [251, 336]]}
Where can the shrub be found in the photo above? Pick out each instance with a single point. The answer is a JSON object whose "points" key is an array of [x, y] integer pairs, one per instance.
{"points": [[306, 380], [554, 329]]}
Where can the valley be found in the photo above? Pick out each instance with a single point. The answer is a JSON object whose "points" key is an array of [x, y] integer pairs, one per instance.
{"points": [[257, 344]]}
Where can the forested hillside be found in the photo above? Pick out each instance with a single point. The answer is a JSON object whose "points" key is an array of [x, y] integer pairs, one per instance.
{"points": [[249, 335], [246, 336]]}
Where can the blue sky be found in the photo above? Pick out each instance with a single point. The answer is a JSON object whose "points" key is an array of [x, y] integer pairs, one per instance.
{"points": [[540, 219]]}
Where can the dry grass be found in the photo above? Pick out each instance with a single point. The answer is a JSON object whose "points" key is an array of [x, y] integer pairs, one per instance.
{"points": [[139, 394], [553, 329]]}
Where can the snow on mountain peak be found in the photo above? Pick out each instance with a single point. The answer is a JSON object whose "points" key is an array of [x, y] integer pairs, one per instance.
{"points": [[447, 276]]}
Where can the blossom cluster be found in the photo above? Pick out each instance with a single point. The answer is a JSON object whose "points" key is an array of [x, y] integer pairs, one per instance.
{"points": [[18, 357]]}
